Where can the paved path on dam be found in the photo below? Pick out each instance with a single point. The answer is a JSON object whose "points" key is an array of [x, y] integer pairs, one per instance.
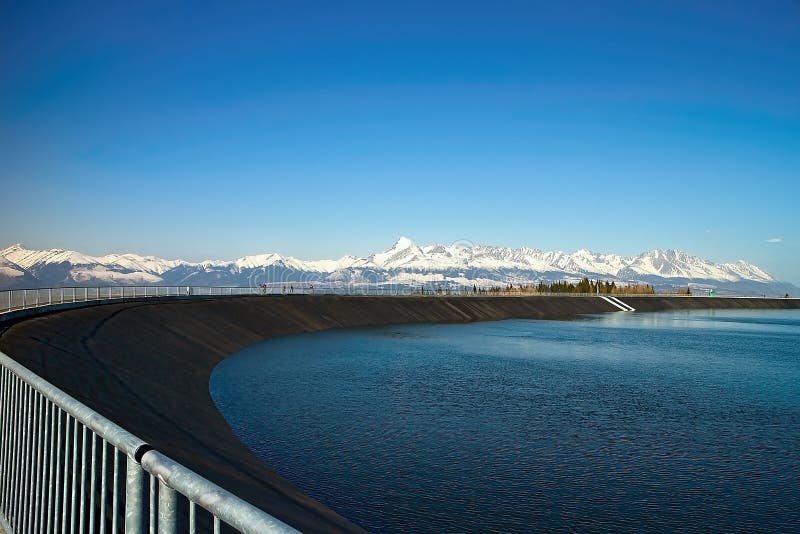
{"points": [[146, 366]]}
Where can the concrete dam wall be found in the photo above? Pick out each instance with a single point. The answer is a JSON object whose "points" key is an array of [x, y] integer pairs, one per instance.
{"points": [[146, 365]]}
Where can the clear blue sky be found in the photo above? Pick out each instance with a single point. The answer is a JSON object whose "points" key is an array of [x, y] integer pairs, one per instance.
{"points": [[319, 129]]}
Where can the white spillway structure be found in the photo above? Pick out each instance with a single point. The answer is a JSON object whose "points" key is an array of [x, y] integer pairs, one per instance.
{"points": [[618, 303]]}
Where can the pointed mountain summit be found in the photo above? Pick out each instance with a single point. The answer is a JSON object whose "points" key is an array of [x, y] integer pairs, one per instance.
{"points": [[403, 252]]}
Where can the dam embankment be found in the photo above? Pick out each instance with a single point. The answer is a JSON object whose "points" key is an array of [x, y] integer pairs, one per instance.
{"points": [[146, 365]]}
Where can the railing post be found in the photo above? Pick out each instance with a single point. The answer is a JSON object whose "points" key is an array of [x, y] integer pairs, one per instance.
{"points": [[24, 298], [134, 498], [167, 510], [49, 295]]}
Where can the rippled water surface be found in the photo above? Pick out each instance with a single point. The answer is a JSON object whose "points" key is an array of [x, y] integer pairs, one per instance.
{"points": [[623, 421]]}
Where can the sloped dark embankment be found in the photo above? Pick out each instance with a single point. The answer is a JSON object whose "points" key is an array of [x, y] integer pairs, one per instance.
{"points": [[146, 366]]}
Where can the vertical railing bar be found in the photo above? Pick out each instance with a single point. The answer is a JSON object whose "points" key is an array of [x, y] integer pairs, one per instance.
{"points": [[53, 446], [115, 494], [103, 500], [16, 490], [152, 504], [59, 448], [216, 525], [192, 520], [134, 497], [12, 452], [74, 490], [66, 474], [23, 486], [81, 512], [6, 409], [7, 423], [92, 485], [167, 509], [41, 486], [19, 509], [11, 434], [50, 467], [3, 438], [32, 464], [41, 470], [15, 464], [30, 468], [13, 490], [37, 508]]}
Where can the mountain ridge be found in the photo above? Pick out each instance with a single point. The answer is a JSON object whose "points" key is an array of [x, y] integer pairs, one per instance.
{"points": [[403, 263]]}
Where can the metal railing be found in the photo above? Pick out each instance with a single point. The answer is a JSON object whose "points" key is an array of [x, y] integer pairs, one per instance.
{"points": [[64, 468], [21, 299]]}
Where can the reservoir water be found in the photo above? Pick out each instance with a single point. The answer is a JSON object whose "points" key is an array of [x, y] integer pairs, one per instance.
{"points": [[622, 421]]}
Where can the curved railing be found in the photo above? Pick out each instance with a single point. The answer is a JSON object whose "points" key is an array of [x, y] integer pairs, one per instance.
{"points": [[66, 468], [24, 299]]}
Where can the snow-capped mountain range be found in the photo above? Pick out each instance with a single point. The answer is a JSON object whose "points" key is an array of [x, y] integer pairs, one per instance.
{"points": [[404, 263]]}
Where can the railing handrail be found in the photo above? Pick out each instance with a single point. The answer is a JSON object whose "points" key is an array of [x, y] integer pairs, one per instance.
{"points": [[108, 430], [14, 302], [221, 503]]}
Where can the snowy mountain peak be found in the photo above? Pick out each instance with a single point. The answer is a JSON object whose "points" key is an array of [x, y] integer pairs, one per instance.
{"points": [[402, 243], [461, 263], [260, 260], [403, 252], [11, 249]]}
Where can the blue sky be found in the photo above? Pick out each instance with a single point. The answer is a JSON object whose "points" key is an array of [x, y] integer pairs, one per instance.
{"points": [[320, 129]]}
